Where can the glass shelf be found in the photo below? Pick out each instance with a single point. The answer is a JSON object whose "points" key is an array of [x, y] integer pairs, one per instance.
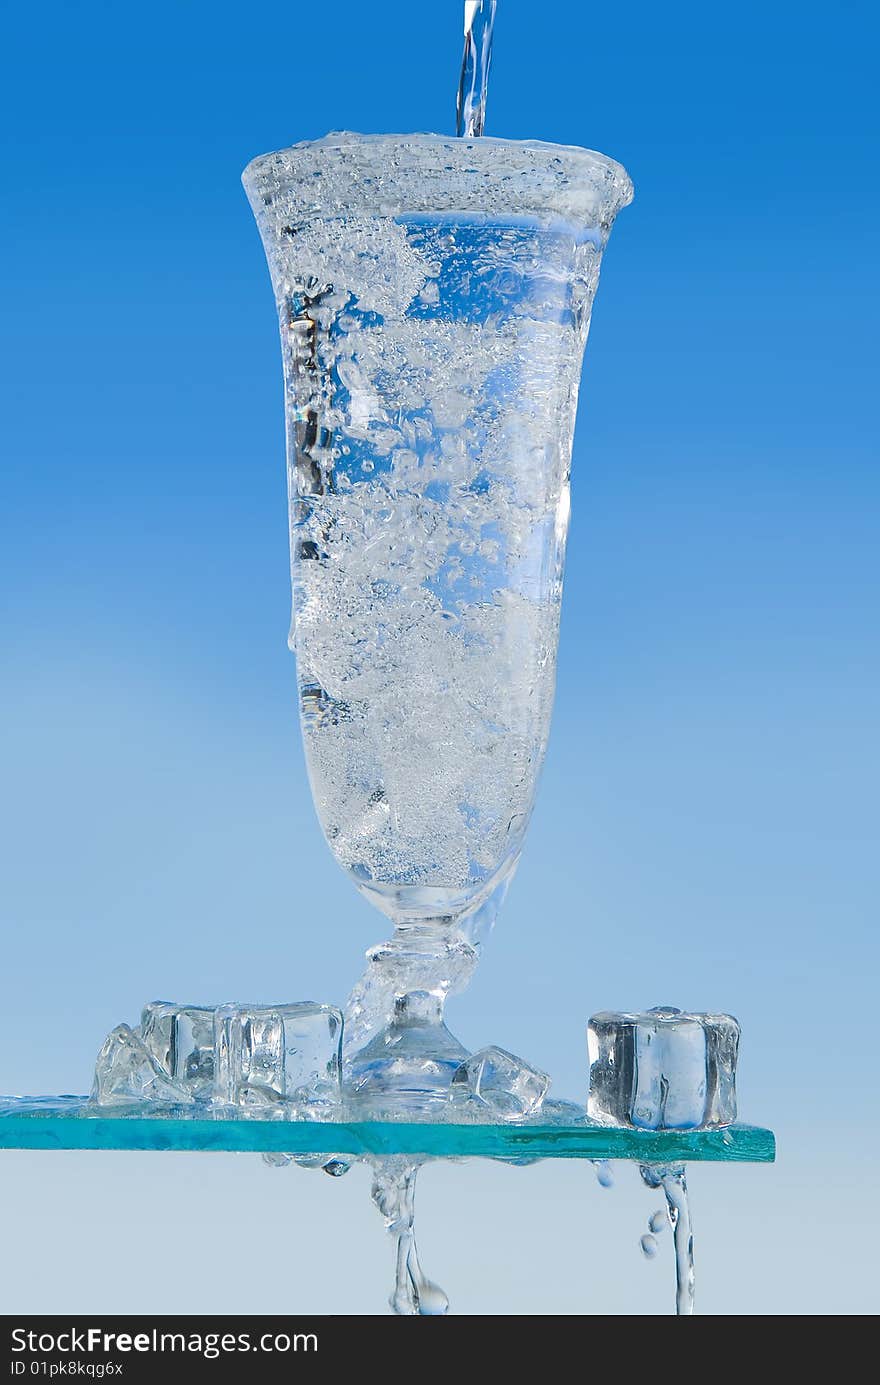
{"points": [[68, 1123]]}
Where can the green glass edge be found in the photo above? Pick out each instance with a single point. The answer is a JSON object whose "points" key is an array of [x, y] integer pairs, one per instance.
{"points": [[735, 1144]]}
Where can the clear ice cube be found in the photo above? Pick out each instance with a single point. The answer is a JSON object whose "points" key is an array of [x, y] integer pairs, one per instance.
{"points": [[498, 1085], [181, 1040], [285, 1052], [126, 1072], [663, 1070], [252, 1057]]}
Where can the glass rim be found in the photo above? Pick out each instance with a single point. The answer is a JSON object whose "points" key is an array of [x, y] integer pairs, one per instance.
{"points": [[412, 175]]}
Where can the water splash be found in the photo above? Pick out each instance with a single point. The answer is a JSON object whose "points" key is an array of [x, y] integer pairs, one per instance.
{"points": [[672, 1179], [675, 1188], [394, 1185], [470, 111]]}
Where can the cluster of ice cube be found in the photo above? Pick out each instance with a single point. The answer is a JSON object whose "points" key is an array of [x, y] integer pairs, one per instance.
{"points": [[661, 1070], [283, 1056], [228, 1056]]}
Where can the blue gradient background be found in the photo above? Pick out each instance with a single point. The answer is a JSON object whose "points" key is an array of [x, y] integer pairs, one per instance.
{"points": [[706, 829]]}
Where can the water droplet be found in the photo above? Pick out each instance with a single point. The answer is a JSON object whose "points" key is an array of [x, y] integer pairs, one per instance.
{"points": [[276, 1160], [604, 1174], [648, 1244], [336, 1168], [367, 465], [658, 1221], [432, 1301]]}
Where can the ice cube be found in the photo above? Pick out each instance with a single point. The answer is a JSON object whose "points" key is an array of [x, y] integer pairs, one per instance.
{"points": [[498, 1085], [663, 1070], [126, 1073], [181, 1040], [290, 1051]]}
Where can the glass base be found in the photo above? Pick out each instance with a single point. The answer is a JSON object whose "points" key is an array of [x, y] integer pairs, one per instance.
{"points": [[409, 1065]]}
